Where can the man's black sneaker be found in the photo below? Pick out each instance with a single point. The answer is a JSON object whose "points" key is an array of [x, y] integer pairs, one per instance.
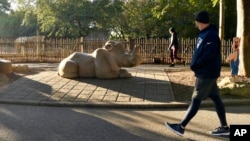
{"points": [[221, 131], [175, 128]]}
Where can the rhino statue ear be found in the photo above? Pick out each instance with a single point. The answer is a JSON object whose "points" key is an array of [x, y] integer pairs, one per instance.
{"points": [[136, 50], [108, 46]]}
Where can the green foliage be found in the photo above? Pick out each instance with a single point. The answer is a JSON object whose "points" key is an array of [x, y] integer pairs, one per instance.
{"points": [[230, 19], [74, 18], [4, 6], [130, 19], [10, 25], [180, 14], [215, 2], [4, 25], [139, 18]]}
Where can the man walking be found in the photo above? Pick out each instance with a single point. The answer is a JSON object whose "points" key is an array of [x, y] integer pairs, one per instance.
{"points": [[206, 64]]}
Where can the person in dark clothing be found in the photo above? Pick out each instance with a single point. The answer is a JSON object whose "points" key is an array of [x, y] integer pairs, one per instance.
{"points": [[206, 64], [173, 46]]}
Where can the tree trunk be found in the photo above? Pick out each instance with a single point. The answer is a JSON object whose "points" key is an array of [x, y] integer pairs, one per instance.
{"points": [[243, 31], [222, 19]]}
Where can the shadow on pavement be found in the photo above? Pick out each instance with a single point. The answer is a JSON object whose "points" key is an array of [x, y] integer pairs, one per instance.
{"points": [[48, 86]]}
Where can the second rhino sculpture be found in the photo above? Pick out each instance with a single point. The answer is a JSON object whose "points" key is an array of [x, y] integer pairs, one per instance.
{"points": [[104, 63]]}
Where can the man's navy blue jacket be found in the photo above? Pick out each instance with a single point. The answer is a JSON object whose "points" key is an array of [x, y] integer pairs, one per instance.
{"points": [[206, 60]]}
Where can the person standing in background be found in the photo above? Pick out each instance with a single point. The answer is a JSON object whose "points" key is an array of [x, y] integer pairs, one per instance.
{"points": [[173, 46], [233, 58]]}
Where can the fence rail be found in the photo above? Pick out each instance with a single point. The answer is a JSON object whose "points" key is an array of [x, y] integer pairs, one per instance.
{"points": [[54, 50]]}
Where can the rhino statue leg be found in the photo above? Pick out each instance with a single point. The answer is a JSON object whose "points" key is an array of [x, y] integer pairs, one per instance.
{"points": [[125, 74], [105, 65], [68, 69]]}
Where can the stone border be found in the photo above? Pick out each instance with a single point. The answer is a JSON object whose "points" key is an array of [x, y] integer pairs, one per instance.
{"points": [[5, 66]]}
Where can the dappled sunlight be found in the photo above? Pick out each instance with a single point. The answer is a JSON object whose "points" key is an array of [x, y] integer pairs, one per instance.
{"points": [[139, 123], [5, 131], [150, 123], [8, 113]]}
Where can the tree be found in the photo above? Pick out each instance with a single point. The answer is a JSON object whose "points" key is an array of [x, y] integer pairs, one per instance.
{"points": [[126, 19], [230, 19], [10, 22], [139, 18], [74, 18], [243, 31], [227, 18], [222, 20], [10, 25], [109, 17], [180, 14], [63, 18], [4, 6], [23, 19]]}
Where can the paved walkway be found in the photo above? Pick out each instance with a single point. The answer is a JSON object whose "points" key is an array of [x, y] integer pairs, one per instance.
{"points": [[149, 87]]}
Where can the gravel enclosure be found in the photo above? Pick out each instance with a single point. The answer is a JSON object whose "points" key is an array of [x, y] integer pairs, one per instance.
{"points": [[183, 84]]}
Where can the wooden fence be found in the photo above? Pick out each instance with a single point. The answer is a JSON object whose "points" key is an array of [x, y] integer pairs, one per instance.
{"points": [[54, 50]]}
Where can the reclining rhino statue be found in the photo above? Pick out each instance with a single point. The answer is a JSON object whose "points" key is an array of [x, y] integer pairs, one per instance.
{"points": [[104, 63]]}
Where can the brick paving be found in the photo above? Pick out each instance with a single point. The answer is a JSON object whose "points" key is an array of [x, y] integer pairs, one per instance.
{"points": [[148, 86]]}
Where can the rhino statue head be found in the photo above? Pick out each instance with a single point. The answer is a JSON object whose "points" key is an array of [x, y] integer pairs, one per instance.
{"points": [[123, 57]]}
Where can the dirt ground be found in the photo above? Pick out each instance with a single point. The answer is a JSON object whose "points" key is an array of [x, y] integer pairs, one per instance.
{"points": [[183, 83]]}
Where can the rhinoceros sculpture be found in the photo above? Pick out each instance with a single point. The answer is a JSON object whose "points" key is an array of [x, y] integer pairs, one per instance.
{"points": [[104, 63]]}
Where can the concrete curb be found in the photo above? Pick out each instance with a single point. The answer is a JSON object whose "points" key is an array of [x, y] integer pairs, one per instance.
{"points": [[138, 105]]}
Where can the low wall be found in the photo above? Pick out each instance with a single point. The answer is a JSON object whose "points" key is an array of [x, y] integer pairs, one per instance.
{"points": [[5, 66]]}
